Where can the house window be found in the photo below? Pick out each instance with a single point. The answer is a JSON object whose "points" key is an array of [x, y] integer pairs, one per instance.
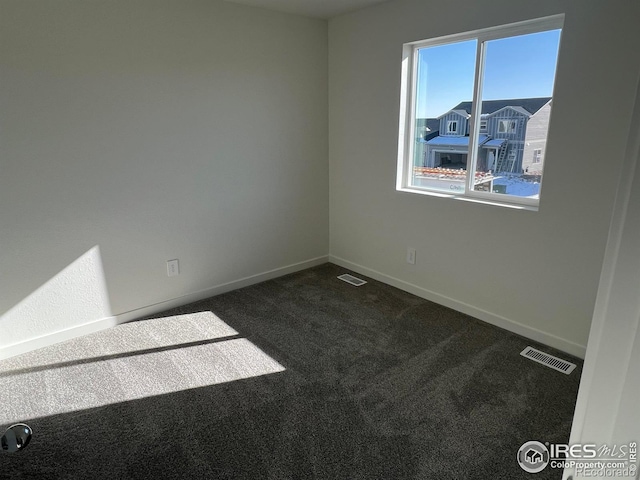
{"points": [[507, 126], [537, 155], [465, 74]]}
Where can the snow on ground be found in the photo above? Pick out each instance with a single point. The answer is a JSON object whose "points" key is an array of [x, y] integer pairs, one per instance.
{"points": [[516, 185]]}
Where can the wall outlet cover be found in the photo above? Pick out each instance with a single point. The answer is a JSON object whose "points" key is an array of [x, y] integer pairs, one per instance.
{"points": [[173, 268]]}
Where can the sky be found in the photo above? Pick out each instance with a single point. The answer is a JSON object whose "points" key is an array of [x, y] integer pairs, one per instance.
{"points": [[515, 67]]}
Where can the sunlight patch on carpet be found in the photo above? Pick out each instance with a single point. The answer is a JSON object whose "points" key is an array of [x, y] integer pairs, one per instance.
{"points": [[128, 362]]}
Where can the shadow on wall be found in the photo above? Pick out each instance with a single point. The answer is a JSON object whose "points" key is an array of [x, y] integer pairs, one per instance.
{"points": [[72, 303]]}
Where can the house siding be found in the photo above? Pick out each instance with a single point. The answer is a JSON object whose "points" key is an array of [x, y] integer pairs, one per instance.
{"points": [[516, 139], [536, 138], [463, 124]]}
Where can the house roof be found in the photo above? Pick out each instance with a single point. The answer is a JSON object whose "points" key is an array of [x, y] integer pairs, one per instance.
{"points": [[462, 113], [452, 141], [433, 124], [530, 105], [496, 142], [515, 108], [458, 111]]}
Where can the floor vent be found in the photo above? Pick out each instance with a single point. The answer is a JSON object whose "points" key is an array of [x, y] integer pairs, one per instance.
{"points": [[352, 280], [548, 360]]}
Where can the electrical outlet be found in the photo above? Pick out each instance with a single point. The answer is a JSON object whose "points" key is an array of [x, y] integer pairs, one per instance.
{"points": [[411, 256], [173, 268]]}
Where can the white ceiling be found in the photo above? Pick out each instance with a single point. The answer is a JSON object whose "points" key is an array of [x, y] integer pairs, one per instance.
{"points": [[311, 8]]}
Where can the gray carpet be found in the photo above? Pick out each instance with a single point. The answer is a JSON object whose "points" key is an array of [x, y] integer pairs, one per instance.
{"points": [[302, 377]]}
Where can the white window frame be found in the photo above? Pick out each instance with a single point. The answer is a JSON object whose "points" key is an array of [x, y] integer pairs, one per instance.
{"points": [[452, 123], [484, 124], [408, 94]]}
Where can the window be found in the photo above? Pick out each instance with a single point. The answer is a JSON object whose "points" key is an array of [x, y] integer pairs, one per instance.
{"points": [[537, 154], [507, 126], [483, 76]]}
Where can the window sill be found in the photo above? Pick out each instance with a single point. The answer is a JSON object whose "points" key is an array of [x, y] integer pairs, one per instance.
{"points": [[467, 198]]}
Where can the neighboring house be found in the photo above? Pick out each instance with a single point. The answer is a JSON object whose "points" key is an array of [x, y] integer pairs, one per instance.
{"points": [[512, 136]]}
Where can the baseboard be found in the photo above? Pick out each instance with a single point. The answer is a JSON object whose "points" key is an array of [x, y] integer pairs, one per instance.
{"points": [[497, 320], [57, 337], [103, 323], [219, 289]]}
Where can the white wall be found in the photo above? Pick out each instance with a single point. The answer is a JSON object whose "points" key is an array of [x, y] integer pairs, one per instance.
{"points": [[607, 405], [534, 272], [186, 129]]}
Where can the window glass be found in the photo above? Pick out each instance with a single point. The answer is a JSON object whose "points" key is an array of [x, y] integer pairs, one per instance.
{"points": [[444, 77], [521, 104]]}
